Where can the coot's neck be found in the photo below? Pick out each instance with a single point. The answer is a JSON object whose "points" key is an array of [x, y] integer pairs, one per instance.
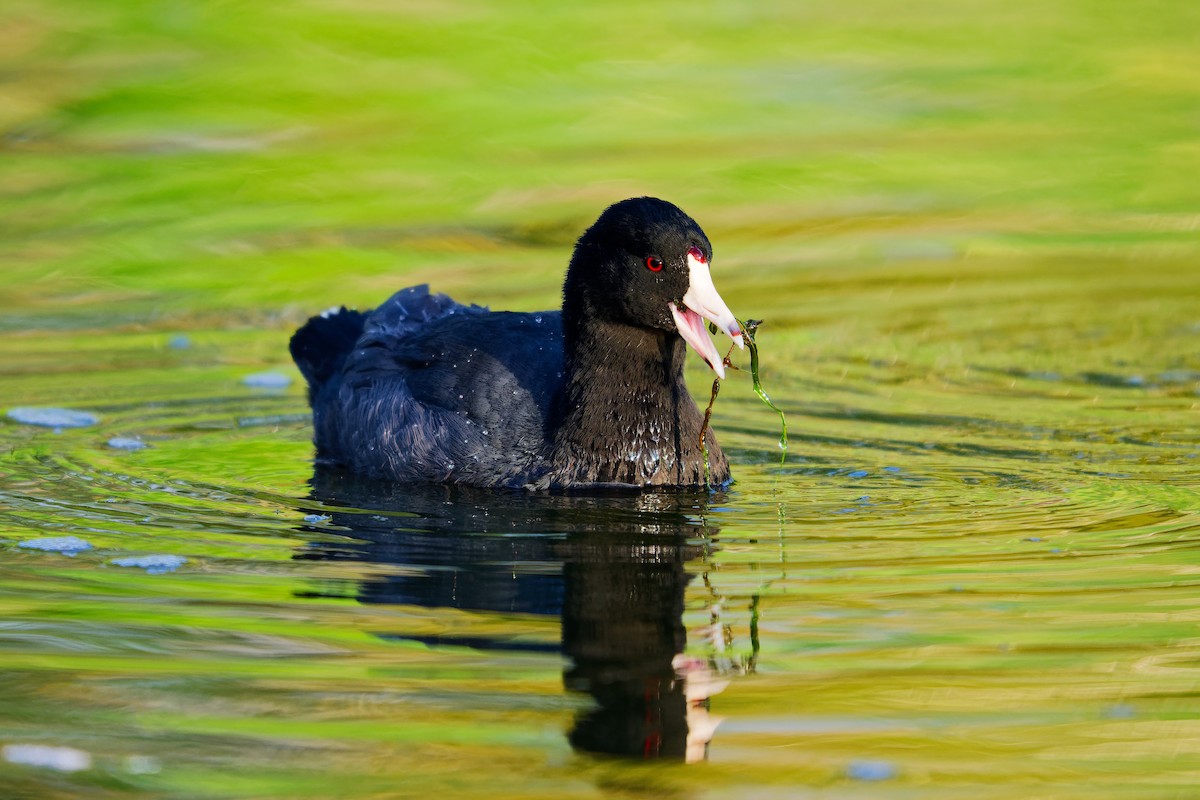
{"points": [[625, 414]]}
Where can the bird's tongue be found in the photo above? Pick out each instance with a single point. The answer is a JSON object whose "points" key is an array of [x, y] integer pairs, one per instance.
{"points": [[692, 329]]}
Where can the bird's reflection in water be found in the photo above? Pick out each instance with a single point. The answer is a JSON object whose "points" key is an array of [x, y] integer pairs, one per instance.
{"points": [[613, 566]]}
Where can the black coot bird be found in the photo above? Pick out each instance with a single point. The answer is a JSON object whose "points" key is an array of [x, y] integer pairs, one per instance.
{"points": [[423, 389]]}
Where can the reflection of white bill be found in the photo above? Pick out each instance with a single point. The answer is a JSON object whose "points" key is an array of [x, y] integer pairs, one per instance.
{"points": [[700, 682]]}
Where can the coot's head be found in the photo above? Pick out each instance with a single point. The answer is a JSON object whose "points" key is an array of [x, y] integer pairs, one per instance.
{"points": [[646, 263]]}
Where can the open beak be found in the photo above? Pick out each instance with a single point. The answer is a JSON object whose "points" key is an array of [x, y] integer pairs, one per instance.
{"points": [[701, 302]]}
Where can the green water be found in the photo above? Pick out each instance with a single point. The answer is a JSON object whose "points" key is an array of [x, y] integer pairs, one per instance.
{"points": [[971, 228]]}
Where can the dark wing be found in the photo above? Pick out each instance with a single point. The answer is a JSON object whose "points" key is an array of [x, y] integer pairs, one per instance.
{"points": [[434, 390]]}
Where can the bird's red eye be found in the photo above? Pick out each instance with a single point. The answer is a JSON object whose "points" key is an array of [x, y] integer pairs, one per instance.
{"points": [[654, 263]]}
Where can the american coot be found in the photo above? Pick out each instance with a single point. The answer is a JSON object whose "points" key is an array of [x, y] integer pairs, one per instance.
{"points": [[423, 389]]}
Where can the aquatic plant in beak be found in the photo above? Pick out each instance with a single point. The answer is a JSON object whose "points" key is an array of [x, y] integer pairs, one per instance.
{"points": [[749, 328], [702, 303]]}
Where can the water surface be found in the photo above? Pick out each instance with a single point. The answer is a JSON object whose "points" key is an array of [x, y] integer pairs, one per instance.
{"points": [[972, 238]]}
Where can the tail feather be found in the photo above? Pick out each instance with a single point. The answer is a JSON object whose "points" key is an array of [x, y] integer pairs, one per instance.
{"points": [[321, 346]]}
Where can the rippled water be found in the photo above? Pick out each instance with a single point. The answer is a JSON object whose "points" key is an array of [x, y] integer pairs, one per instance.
{"points": [[973, 570]]}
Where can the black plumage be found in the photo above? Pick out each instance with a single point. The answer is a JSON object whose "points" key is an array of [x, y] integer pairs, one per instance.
{"points": [[424, 389]]}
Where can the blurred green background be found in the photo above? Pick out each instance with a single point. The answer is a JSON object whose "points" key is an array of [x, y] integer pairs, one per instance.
{"points": [[175, 158]]}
